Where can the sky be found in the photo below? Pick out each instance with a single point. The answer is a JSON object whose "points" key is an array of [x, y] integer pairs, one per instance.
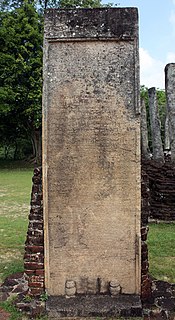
{"points": [[156, 40]]}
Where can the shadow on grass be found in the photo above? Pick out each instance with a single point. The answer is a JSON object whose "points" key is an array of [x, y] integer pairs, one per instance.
{"points": [[16, 165]]}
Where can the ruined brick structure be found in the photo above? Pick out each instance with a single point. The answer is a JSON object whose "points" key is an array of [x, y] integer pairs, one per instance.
{"points": [[34, 246], [162, 193], [145, 206]]}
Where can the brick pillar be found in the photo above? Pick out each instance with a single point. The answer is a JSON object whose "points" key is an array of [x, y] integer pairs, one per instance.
{"points": [[34, 246], [146, 283]]}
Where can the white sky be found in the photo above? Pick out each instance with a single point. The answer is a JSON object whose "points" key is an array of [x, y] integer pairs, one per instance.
{"points": [[157, 38]]}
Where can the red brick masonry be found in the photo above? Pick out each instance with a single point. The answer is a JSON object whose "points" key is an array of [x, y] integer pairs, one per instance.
{"points": [[34, 246]]}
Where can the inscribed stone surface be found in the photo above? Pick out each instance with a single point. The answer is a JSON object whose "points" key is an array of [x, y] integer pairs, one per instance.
{"points": [[91, 164]]}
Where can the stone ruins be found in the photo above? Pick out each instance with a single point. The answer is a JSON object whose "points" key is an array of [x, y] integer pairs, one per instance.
{"points": [[91, 158]]}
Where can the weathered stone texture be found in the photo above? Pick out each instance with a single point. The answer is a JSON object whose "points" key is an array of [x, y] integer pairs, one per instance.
{"points": [[157, 146], [103, 23], [91, 307], [144, 132], [91, 151]]}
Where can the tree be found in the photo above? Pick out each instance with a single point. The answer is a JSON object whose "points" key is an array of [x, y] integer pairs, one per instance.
{"points": [[21, 37], [79, 3], [7, 5], [45, 4], [21, 70]]}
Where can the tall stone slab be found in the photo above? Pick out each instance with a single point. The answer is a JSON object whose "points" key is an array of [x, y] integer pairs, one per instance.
{"points": [[170, 98], [158, 154], [91, 152]]}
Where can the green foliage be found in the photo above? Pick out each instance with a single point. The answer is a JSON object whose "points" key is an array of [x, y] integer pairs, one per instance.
{"points": [[44, 297], [21, 65], [21, 38], [11, 146], [11, 165], [28, 298], [15, 314], [45, 4], [9, 306], [79, 3], [21, 75]]}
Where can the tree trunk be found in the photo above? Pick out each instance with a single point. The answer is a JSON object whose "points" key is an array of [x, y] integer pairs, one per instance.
{"points": [[158, 154], [36, 143], [170, 97], [33, 148], [36, 139], [15, 151], [144, 132], [6, 151]]}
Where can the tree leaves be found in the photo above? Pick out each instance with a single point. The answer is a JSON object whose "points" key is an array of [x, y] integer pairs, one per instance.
{"points": [[21, 40]]}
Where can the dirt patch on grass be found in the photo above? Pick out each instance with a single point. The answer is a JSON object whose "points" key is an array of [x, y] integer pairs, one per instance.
{"points": [[16, 210], [4, 315], [2, 194], [10, 255]]}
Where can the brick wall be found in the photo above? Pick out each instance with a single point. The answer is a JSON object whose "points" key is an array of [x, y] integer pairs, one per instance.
{"points": [[34, 246], [162, 191], [145, 211]]}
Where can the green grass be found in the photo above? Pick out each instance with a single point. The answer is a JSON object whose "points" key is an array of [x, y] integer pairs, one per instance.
{"points": [[161, 246], [15, 190], [10, 307], [15, 314]]}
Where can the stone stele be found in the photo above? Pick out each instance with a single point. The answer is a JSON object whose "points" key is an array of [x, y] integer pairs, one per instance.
{"points": [[91, 152]]}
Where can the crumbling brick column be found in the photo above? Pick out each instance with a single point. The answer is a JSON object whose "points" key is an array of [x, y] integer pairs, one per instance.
{"points": [[34, 246], [146, 290]]}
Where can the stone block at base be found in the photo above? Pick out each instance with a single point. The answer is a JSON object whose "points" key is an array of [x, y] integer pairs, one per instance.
{"points": [[94, 306]]}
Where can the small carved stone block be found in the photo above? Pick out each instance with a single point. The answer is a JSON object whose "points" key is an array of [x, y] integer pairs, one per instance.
{"points": [[114, 288], [70, 288]]}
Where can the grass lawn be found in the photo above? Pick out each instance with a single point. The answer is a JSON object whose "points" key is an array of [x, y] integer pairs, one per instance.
{"points": [[15, 190], [161, 246]]}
